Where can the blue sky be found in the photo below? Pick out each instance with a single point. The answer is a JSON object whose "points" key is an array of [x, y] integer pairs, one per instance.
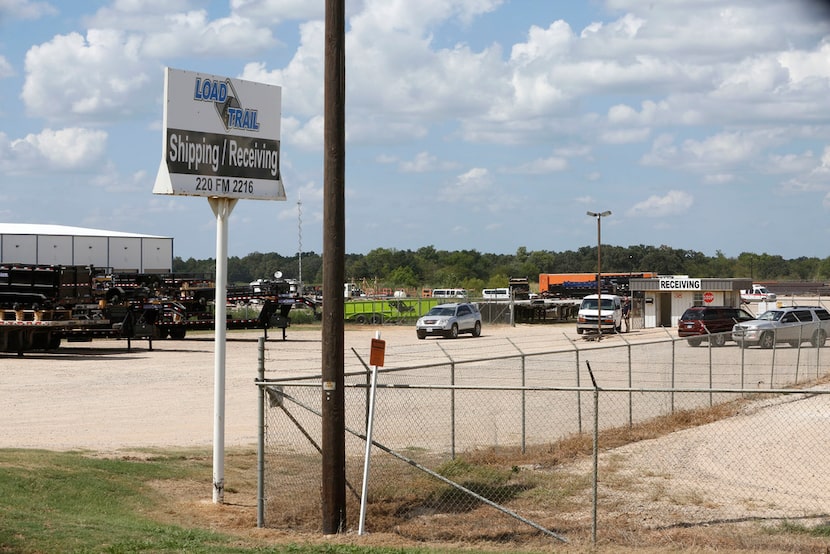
{"points": [[471, 124]]}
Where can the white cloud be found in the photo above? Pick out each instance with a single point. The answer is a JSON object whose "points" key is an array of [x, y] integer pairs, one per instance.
{"points": [[803, 65], [719, 179], [303, 75], [6, 69], [816, 179], [712, 154], [191, 33], [541, 166], [275, 11], [423, 162], [624, 136], [471, 184], [108, 78], [69, 149], [674, 202], [25, 9], [790, 163], [169, 28]]}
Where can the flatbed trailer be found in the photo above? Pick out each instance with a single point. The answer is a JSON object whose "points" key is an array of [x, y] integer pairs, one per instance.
{"points": [[175, 320], [24, 330]]}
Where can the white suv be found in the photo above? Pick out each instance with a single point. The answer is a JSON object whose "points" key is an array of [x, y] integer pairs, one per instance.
{"points": [[448, 320], [792, 325]]}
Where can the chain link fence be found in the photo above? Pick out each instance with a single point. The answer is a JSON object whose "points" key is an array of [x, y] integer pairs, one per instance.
{"points": [[533, 444]]}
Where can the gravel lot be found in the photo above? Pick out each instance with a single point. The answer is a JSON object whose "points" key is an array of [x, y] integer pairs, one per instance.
{"points": [[99, 396]]}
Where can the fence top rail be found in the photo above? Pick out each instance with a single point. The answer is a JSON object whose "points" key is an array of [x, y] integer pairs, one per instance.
{"points": [[809, 391]]}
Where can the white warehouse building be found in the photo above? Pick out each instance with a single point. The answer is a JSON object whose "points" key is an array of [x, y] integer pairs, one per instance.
{"points": [[23, 243]]}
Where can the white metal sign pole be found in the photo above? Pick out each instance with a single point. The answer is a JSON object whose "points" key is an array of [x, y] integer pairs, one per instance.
{"points": [[364, 492], [222, 208]]}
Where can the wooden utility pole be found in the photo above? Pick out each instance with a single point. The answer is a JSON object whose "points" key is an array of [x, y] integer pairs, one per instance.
{"points": [[334, 261]]}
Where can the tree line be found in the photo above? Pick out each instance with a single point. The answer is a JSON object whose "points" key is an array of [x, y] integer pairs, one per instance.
{"points": [[428, 267]]}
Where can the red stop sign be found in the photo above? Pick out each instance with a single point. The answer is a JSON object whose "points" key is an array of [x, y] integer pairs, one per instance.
{"points": [[708, 297]]}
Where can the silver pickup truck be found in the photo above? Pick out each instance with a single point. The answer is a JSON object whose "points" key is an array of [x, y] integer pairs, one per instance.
{"points": [[792, 325], [758, 293]]}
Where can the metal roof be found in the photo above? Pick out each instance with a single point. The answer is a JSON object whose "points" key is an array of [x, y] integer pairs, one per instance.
{"points": [[713, 284], [65, 230]]}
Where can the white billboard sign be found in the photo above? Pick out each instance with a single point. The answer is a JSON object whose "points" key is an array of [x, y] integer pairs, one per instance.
{"points": [[221, 138]]}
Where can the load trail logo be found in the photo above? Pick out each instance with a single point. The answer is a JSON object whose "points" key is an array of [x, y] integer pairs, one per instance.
{"points": [[227, 104]]}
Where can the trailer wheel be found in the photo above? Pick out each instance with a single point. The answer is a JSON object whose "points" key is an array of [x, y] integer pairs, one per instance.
{"points": [[360, 318], [377, 319], [54, 341], [178, 333]]}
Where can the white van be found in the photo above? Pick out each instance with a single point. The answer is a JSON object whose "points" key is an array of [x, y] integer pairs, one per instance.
{"points": [[496, 294], [449, 293], [611, 314]]}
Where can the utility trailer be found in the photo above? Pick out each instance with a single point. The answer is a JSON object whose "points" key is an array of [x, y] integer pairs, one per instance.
{"points": [[175, 320], [377, 311]]}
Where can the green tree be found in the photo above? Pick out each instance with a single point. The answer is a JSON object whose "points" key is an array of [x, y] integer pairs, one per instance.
{"points": [[403, 276]]}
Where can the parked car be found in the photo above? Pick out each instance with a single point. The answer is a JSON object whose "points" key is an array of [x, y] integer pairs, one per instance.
{"points": [[449, 320], [792, 325], [710, 323]]}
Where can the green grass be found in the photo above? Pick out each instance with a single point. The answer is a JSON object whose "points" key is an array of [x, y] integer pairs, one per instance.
{"points": [[68, 502], [71, 502]]}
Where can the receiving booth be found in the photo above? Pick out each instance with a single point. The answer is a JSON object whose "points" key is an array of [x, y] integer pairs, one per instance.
{"points": [[660, 301]]}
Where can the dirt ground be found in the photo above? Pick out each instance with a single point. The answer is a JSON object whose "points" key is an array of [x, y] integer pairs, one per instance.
{"points": [[101, 396]]}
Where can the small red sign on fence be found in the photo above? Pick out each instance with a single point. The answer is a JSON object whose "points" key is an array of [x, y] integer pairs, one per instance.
{"points": [[377, 352]]}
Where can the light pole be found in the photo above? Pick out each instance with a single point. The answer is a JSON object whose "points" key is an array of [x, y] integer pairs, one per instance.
{"points": [[599, 216]]}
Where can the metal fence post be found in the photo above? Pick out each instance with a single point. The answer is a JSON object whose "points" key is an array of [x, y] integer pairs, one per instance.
{"points": [[630, 386], [595, 457], [524, 406], [711, 397], [452, 401], [742, 346], [630, 383], [673, 370], [673, 361], [798, 354], [578, 392], [260, 455], [524, 396]]}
